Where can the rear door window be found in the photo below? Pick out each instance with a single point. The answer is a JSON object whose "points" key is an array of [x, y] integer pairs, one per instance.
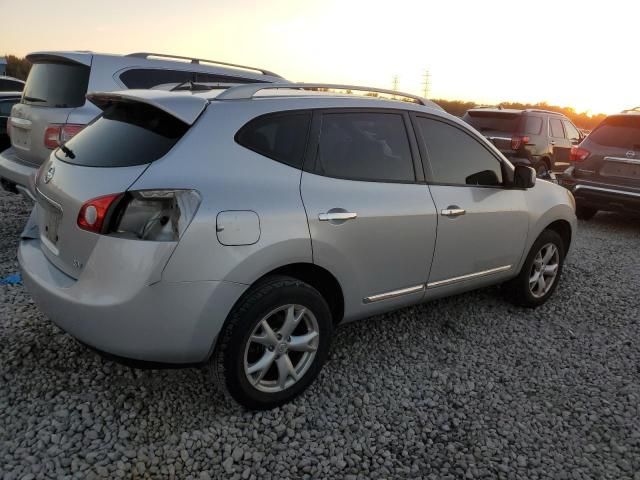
{"points": [[369, 146], [280, 136], [6, 106], [618, 131], [531, 125], [146, 78], [57, 85], [555, 128], [126, 134]]}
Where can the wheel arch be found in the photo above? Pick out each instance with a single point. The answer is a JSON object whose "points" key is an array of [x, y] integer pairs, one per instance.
{"points": [[562, 228]]}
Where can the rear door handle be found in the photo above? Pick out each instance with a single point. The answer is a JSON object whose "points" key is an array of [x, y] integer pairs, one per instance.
{"points": [[453, 211], [332, 216]]}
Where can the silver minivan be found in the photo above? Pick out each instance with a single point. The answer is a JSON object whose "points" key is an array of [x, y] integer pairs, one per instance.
{"points": [[239, 227], [53, 107]]}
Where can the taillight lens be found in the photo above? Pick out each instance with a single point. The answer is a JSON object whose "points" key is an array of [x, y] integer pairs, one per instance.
{"points": [[578, 154], [518, 141], [155, 215], [55, 134], [93, 214]]}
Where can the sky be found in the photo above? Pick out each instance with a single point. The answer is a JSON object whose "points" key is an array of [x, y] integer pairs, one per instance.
{"points": [[581, 54]]}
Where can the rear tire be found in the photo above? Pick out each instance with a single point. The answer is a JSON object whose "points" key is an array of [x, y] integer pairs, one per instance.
{"points": [[585, 213], [542, 169], [528, 289], [274, 343]]}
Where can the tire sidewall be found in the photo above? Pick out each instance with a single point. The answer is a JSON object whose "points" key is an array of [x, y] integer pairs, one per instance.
{"points": [[548, 236], [243, 320]]}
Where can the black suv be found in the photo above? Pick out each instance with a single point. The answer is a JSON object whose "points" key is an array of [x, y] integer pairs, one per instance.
{"points": [[7, 101], [605, 167], [537, 138]]}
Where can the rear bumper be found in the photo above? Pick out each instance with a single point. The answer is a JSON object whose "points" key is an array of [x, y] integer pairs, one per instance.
{"points": [[14, 171], [165, 322], [603, 196]]}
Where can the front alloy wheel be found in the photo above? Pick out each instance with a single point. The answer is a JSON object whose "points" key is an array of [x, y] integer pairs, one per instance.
{"points": [[544, 270]]}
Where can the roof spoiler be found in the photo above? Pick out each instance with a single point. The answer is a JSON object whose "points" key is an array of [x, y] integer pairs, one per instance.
{"points": [[186, 108]]}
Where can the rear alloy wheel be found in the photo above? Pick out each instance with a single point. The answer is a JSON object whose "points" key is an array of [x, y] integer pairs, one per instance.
{"points": [[274, 343], [540, 272], [585, 213]]}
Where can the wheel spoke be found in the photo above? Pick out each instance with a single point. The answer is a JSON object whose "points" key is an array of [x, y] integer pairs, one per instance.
{"points": [[551, 250], [551, 269], [541, 284], [285, 370], [268, 337], [291, 321], [261, 366], [535, 277], [302, 343]]}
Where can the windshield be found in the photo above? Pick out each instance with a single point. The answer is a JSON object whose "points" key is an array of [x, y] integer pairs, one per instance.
{"points": [[618, 131], [57, 85]]}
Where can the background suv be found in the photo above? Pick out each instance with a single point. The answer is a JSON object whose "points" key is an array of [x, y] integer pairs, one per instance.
{"points": [[53, 107], [605, 167], [10, 84], [240, 227], [539, 138], [7, 101]]}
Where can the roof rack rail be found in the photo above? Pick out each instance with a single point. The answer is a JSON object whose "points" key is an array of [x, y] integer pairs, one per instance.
{"points": [[247, 91], [634, 109], [540, 110], [201, 60]]}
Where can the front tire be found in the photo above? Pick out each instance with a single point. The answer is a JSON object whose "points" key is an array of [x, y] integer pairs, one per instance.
{"points": [[273, 344], [540, 273]]}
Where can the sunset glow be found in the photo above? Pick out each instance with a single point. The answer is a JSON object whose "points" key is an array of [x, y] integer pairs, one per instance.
{"points": [[565, 53]]}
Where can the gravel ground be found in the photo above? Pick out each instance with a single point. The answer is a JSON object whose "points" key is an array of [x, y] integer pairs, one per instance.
{"points": [[466, 387]]}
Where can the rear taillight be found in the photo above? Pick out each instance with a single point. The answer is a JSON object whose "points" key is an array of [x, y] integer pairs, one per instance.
{"points": [[518, 141], [156, 215], [93, 213], [57, 133], [578, 154]]}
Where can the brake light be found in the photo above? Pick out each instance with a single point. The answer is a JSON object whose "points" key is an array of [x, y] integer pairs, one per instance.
{"points": [[155, 215], [93, 213], [518, 141], [578, 154], [58, 133]]}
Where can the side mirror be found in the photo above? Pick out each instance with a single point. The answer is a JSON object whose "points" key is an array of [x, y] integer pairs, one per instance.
{"points": [[524, 177]]}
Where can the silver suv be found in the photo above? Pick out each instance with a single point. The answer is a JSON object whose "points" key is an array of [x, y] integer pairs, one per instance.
{"points": [[53, 107], [239, 227]]}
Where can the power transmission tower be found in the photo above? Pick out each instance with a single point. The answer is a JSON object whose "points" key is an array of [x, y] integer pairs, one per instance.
{"points": [[426, 83], [395, 83]]}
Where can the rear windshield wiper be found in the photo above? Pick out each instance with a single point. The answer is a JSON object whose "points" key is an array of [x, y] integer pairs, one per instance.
{"points": [[67, 151], [33, 99]]}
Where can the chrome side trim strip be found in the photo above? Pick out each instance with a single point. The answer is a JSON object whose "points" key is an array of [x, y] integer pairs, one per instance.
{"points": [[393, 294], [632, 161], [441, 283], [606, 190]]}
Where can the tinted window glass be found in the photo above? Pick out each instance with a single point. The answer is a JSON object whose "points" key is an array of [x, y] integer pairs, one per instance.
{"points": [[10, 85], [618, 131], [282, 137], [60, 85], [555, 126], [493, 121], [531, 125], [572, 132], [456, 157], [365, 146], [126, 134], [5, 107], [151, 77]]}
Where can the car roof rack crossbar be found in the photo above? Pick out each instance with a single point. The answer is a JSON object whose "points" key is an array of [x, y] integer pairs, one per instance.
{"points": [[247, 91], [198, 61]]}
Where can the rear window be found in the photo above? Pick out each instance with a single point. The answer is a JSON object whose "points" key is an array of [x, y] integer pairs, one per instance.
{"points": [[619, 131], [531, 125], [493, 121], [126, 134], [57, 85], [146, 78], [7, 85]]}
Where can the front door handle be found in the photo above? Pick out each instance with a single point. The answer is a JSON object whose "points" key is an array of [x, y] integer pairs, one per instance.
{"points": [[453, 211], [333, 216]]}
